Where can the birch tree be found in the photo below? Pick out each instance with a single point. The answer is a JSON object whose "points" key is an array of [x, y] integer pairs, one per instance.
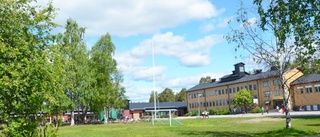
{"points": [[275, 33]]}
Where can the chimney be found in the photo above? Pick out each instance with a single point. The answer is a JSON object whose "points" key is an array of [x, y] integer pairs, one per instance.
{"points": [[213, 80], [274, 68]]}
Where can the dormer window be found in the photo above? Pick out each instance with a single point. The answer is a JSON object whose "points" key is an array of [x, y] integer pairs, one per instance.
{"points": [[241, 69]]}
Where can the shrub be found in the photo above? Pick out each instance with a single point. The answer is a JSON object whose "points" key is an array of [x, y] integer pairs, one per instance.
{"points": [[256, 110], [224, 111], [60, 122], [213, 111]]}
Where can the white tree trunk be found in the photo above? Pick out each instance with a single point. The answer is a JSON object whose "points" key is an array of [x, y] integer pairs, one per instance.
{"points": [[72, 119], [105, 116], [286, 95]]}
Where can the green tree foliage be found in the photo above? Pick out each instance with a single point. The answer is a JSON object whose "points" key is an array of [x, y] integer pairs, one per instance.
{"points": [[205, 80], [107, 77], [25, 72], [74, 51], [167, 95], [151, 99], [182, 95], [243, 99], [297, 21]]}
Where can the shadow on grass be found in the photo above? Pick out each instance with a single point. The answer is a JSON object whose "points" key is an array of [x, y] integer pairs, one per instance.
{"points": [[314, 125], [276, 133]]}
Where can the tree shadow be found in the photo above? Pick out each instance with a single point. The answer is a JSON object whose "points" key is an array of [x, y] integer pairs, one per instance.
{"points": [[314, 125], [276, 133]]}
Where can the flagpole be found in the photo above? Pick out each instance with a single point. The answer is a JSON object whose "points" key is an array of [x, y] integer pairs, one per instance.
{"points": [[154, 83]]}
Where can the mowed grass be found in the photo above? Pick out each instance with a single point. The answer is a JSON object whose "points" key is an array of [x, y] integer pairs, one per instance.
{"points": [[262, 127]]}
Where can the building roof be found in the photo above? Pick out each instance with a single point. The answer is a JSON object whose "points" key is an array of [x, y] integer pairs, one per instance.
{"points": [[245, 78], [161, 105], [307, 78]]}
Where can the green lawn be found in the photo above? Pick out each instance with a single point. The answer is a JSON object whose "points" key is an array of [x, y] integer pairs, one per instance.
{"points": [[197, 127]]}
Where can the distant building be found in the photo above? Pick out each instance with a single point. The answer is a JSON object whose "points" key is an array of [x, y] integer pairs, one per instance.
{"points": [[264, 86], [139, 110]]}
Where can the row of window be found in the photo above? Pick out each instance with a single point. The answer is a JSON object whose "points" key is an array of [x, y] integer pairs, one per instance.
{"points": [[223, 91], [268, 93], [308, 89], [275, 83], [220, 102]]}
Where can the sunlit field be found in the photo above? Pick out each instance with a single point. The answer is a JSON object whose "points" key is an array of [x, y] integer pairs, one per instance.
{"points": [[266, 126]]}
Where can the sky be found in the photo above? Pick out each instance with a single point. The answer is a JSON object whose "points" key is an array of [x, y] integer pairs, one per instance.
{"points": [[185, 38]]}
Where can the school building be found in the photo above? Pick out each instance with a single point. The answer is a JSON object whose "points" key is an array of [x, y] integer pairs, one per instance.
{"points": [[264, 87]]}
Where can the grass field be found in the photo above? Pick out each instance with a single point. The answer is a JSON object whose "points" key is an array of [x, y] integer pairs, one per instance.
{"points": [[196, 127]]}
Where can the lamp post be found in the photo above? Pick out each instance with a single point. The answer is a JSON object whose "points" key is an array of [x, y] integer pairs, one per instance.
{"points": [[199, 95]]}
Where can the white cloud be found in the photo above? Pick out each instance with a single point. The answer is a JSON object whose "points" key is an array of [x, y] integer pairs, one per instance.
{"points": [[188, 82], [251, 22], [190, 54], [132, 17], [215, 23], [194, 53], [146, 73]]}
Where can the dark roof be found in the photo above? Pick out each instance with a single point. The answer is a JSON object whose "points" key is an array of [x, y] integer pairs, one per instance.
{"points": [[245, 78], [161, 105], [307, 78]]}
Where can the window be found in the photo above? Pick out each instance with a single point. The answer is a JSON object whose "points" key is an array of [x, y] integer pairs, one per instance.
{"points": [[241, 69], [317, 88], [190, 105], [277, 93], [222, 91], [267, 94], [219, 92], [210, 104], [255, 87], [213, 104], [223, 102], [234, 90], [276, 82], [309, 89], [238, 89], [212, 92], [300, 90], [217, 102], [246, 87], [220, 103], [250, 87], [266, 83]]}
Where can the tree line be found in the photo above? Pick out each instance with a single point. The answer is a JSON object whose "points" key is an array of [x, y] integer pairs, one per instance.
{"points": [[167, 95], [42, 73]]}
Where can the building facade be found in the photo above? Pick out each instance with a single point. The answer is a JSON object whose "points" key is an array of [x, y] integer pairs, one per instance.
{"points": [[264, 87], [306, 92]]}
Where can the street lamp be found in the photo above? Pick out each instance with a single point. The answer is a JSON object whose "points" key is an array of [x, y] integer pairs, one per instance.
{"points": [[199, 95]]}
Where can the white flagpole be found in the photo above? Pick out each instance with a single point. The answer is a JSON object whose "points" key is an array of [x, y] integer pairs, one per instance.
{"points": [[154, 83]]}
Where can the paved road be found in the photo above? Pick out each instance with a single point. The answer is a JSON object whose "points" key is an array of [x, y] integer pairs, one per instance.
{"points": [[271, 114]]}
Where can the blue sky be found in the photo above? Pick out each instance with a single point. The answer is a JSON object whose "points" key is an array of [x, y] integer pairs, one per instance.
{"points": [[187, 36]]}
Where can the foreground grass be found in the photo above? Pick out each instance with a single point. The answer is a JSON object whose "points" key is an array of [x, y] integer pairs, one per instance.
{"points": [[197, 127]]}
